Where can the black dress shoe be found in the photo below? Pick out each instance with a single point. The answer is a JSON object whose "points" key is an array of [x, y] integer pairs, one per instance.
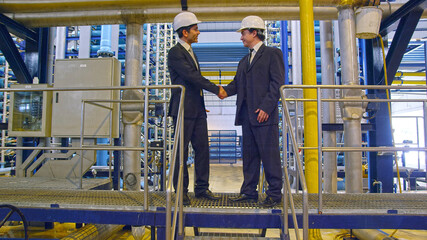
{"points": [[208, 195], [243, 198], [269, 202], [186, 200]]}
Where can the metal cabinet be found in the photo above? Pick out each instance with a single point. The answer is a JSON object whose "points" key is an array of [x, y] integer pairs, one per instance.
{"points": [[67, 105]]}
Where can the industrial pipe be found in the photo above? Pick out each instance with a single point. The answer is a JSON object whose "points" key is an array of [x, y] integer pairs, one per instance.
{"points": [[94, 232], [328, 78], [27, 6], [133, 119], [141, 15], [308, 53], [351, 112]]}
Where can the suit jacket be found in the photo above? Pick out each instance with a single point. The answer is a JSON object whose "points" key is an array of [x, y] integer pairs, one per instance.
{"points": [[183, 71], [260, 81]]}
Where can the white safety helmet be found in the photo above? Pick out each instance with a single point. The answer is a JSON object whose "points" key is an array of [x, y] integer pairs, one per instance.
{"points": [[252, 22], [184, 19]]}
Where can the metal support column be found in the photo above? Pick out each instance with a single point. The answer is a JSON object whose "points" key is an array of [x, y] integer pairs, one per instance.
{"points": [[351, 112], [328, 78]]}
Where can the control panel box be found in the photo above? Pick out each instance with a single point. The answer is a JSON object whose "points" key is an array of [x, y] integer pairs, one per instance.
{"points": [[100, 118], [30, 112]]}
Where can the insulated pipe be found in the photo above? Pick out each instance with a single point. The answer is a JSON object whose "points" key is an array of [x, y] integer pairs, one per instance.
{"points": [[308, 53], [351, 112], [328, 78], [105, 48], [132, 130], [78, 5], [142, 15], [370, 234], [94, 232], [296, 53]]}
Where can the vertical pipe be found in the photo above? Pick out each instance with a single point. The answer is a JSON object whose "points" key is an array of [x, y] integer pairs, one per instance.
{"points": [[284, 47], [105, 47], [329, 137], [132, 132], [308, 53], [60, 42], [5, 94], [165, 118], [351, 115], [319, 147], [425, 114], [296, 53], [84, 45], [147, 92]]}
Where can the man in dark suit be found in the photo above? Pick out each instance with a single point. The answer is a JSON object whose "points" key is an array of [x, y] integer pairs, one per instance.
{"points": [[185, 70], [258, 79]]}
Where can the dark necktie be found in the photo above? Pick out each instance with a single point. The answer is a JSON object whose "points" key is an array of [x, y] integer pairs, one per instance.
{"points": [[250, 55]]}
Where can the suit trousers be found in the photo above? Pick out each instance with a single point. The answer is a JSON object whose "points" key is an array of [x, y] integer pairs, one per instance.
{"points": [[196, 132], [260, 143]]}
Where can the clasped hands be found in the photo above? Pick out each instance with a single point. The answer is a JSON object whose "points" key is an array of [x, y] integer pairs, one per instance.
{"points": [[222, 93]]}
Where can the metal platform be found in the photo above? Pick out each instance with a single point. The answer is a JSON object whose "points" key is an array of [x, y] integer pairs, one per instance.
{"points": [[53, 183], [349, 211]]}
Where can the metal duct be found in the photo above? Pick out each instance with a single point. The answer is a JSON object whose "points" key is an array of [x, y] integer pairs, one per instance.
{"points": [[85, 16]]}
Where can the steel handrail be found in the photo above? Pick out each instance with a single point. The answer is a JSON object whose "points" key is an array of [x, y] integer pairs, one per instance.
{"points": [[285, 112], [179, 130], [319, 101]]}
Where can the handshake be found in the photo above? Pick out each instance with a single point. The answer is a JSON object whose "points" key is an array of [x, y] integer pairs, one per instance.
{"points": [[222, 93]]}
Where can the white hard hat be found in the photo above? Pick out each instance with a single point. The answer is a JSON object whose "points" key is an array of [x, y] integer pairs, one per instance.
{"points": [[184, 19], [252, 22]]}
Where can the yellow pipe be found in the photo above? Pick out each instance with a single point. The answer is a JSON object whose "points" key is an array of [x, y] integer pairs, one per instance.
{"points": [[308, 53], [223, 82], [411, 82], [410, 74], [216, 73]]}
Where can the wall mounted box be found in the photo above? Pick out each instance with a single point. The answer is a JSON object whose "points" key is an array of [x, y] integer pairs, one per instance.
{"points": [[30, 112], [67, 106]]}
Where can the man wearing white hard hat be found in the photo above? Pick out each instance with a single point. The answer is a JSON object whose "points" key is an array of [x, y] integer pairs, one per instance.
{"points": [[258, 79], [185, 70]]}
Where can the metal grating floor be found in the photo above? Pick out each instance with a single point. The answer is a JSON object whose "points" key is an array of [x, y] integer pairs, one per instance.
{"points": [[52, 183], [415, 204]]}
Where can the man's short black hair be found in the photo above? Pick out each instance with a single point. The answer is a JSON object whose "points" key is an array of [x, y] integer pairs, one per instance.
{"points": [[259, 33], [179, 31]]}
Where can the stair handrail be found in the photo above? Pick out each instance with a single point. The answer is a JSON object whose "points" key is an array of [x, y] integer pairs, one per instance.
{"points": [[179, 134], [287, 121]]}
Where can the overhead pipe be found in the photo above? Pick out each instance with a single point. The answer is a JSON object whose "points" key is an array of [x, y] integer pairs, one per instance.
{"points": [[141, 15], [27, 6], [351, 112], [328, 78]]}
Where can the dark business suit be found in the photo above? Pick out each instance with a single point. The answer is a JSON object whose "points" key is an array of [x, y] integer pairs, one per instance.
{"points": [[183, 71], [257, 87]]}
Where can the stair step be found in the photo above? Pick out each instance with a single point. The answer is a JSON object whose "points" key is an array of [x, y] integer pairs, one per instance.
{"points": [[226, 236]]}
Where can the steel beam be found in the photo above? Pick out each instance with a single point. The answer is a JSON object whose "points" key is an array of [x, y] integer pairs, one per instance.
{"points": [[13, 56], [224, 220], [380, 167], [400, 42], [386, 24], [18, 29]]}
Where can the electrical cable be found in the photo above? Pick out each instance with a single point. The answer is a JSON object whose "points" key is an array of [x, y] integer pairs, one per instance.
{"points": [[15, 209]]}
